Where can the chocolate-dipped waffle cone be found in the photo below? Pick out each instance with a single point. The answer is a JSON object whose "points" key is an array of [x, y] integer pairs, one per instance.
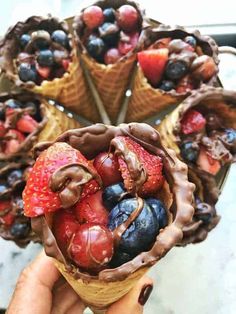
{"points": [[71, 89], [14, 226], [52, 123], [111, 80], [221, 102], [111, 284], [147, 100]]}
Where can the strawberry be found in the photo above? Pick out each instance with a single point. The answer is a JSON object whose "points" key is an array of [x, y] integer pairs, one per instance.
{"points": [[44, 72], [184, 85], [153, 63], [14, 140], [92, 210], [3, 130], [64, 226], [192, 121], [26, 124], [207, 163], [7, 218], [44, 193], [150, 164], [65, 63]]}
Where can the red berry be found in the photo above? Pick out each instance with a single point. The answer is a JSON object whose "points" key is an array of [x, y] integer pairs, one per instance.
{"points": [[14, 141], [152, 63], [127, 18], [112, 56], [38, 196], [26, 124], [192, 121], [3, 130], [128, 42], [185, 85], [64, 226], [151, 165], [91, 247], [204, 68], [207, 163], [107, 167], [93, 16], [65, 64], [8, 218], [44, 72], [92, 210]]}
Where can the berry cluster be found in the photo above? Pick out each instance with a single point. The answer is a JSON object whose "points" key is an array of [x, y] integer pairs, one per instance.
{"points": [[103, 225], [13, 224], [174, 64], [43, 56], [205, 141], [110, 34], [17, 120]]}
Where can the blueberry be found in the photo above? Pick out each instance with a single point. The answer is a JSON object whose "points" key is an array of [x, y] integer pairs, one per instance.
{"points": [[109, 15], [167, 85], [203, 211], [120, 258], [112, 195], [230, 135], [191, 41], [109, 32], [3, 188], [41, 39], [45, 58], [20, 230], [96, 48], [27, 72], [14, 176], [160, 211], [189, 151], [24, 40], [145, 227], [175, 70], [60, 37], [13, 104]]}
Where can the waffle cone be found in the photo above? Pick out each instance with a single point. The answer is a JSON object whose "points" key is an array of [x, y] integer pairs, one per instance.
{"points": [[100, 294]]}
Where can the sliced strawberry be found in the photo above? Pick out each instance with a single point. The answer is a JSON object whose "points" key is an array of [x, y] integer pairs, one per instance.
{"points": [[44, 72], [92, 210], [207, 163], [192, 121], [3, 130], [153, 63], [48, 190], [7, 218], [26, 124], [64, 226], [149, 165], [14, 140]]}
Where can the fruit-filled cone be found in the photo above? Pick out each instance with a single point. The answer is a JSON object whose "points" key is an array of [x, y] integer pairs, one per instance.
{"points": [[14, 226], [26, 119], [39, 55], [107, 34], [172, 63], [108, 203], [202, 131]]}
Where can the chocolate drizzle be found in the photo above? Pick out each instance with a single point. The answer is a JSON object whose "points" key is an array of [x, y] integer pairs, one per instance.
{"points": [[96, 138]]}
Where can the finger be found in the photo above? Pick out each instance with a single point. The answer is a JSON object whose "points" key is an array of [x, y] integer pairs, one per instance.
{"points": [[134, 301], [33, 289], [66, 300]]}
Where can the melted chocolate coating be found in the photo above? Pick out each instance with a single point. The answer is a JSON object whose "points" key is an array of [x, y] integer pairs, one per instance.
{"points": [[97, 138]]}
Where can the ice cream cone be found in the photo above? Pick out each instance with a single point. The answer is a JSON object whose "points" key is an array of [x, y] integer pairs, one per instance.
{"points": [[110, 284], [147, 100], [71, 89], [111, 80], [53, 123]]}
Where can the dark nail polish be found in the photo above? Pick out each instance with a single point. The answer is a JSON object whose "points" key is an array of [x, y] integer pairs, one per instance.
{"points": [[145, 294]]}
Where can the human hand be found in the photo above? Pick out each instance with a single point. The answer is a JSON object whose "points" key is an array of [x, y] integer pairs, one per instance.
{"points": [[40, 289]]}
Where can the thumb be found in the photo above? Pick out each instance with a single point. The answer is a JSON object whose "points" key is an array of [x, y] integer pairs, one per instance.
{"points": [[133, 301]]}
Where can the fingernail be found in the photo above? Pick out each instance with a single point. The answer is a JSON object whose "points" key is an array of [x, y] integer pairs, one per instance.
{"points": [[145, 294]]}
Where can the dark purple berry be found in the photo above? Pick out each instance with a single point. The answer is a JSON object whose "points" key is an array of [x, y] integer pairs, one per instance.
{"points": [[167, 85], [60, 37], [96, 48], [45, 58], [160, 211], [191, 41], [113, 194], [189, 151], [175, 70], [109, 15], [27, 72], [20, 230], [109, 32], [24, 40], [14, 176]]}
